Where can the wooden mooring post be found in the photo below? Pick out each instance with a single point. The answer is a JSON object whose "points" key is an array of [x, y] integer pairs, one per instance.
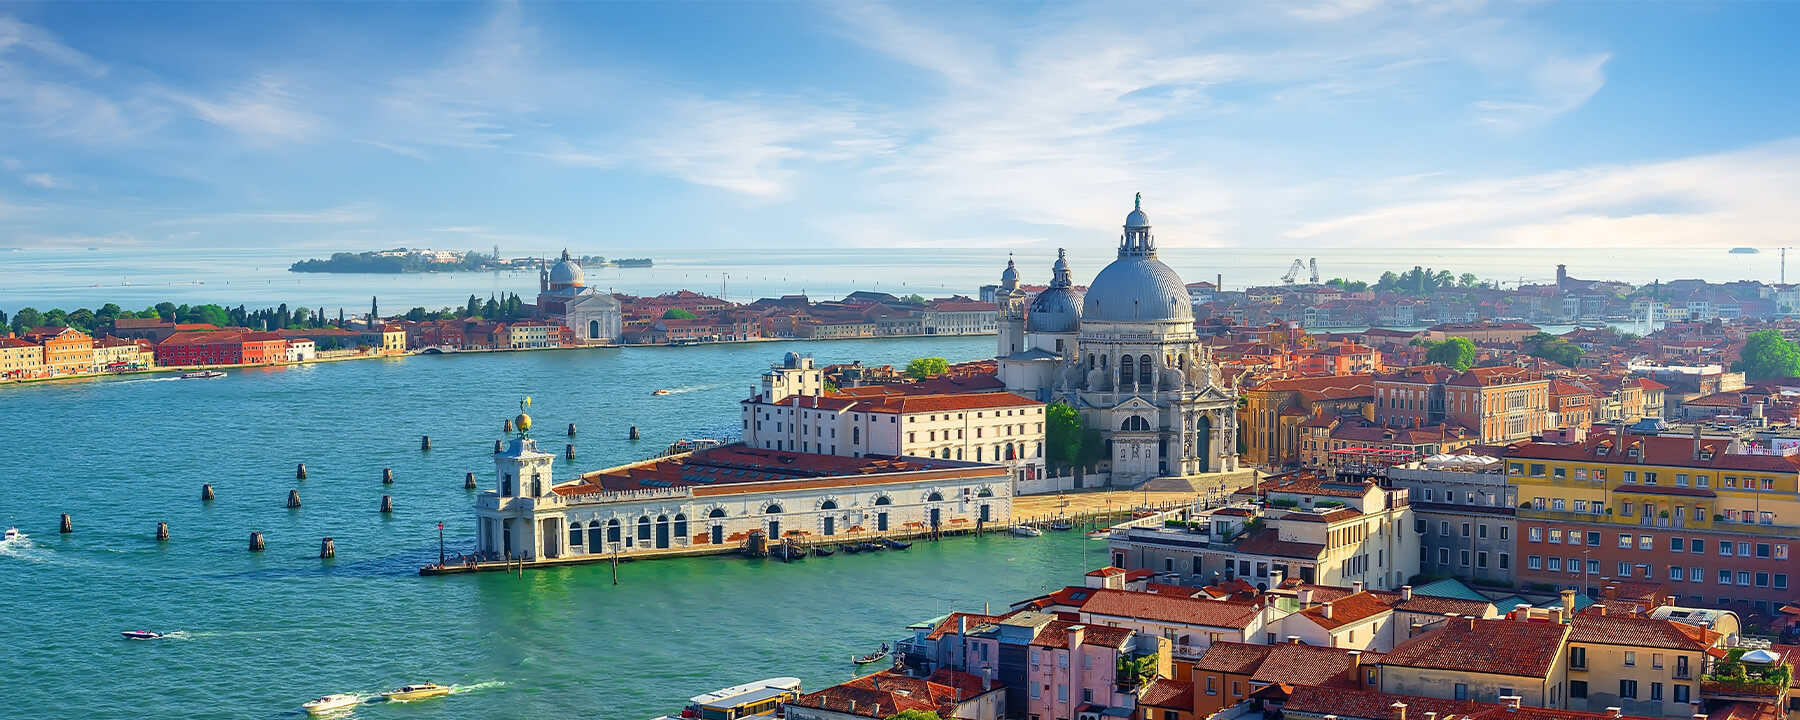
{"points": [[67, 526], [469, 481], [327, 549], [387, 476], [293, 500], [387, 504], [206, 492], [162, 532], [256, 542], [424, 443]]}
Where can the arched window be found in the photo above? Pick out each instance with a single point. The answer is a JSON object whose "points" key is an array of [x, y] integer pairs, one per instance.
{"points": [[977, 453], [884, 500], [1181, 361], [1125, 375], [985, 492], [773, 509], [594, 542], [935, 496], [613, 531], [680, 524], [1145, 368], [828, 505], [593, 329], [855, 436], [644, 529], [1135, 423], [574, 534], [716, 513]]}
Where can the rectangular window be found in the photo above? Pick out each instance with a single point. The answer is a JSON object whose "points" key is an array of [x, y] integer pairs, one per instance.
{"points": [[1676, 544], [1578, 689], [1535, 534], [1743, 577], [1681, 691], [1594, 538], [1762, 579], [1630, 659], [1578, 658], [1534, 562], [1649, 478], [1725, 548], [1625, 541], [1555, 535], [1506, 564], [1481, 559], [1724, 577], [1462, 691], [1780, 581], [1630, 476], [1656, 692], [1561, 474], [1645, 542], [1481, 532], [1697, 546], [1677, 573], [1464, 558], [1628, 689], [1465, 533], [1762, 550], [1555, 564], [1212, 685], [1624, 569]]}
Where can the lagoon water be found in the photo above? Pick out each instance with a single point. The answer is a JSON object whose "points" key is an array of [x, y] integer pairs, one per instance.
{"points": [[259, 633]]}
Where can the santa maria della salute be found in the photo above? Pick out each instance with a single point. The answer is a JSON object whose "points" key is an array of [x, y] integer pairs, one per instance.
{"points": [[1125, 355]]}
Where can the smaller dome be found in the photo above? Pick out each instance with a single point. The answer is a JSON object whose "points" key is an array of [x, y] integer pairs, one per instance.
{"points": [[567, 272], [1056, 310], [790, 360], [1137, 218], [522, 422], [1010, 276]]}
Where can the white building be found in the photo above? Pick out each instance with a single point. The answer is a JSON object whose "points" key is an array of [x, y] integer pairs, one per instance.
{"points": [[711, 501], [793, 412], [563, 295], [301, 350], [955, 317], [1126, 356]]}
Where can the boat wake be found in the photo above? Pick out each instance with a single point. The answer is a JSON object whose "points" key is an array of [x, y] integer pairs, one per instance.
{"points": [[472, 687]]}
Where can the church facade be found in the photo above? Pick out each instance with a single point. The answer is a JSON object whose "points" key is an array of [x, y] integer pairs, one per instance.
{"points": [[596, 317], [1126, 357]]}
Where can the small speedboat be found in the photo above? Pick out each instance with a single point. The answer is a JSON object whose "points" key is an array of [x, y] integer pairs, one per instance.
{"points": [[1100, 534], [420, 691], [202, 375], [330, 703], [871, 658], [1060, 526], [13, 535], [659, 392], [142, 635], [1026, 531]]}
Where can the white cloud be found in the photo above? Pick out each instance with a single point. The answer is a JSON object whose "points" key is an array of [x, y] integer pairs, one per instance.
{"points": [[1743, 197], [1556, 86], [45, 180], [352, 214], [262, 110]]}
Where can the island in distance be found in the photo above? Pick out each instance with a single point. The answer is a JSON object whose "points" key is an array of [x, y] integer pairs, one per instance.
{"points": [[414, 260]]}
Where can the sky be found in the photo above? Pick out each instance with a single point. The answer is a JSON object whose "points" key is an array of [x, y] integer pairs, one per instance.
{"points": [[1314, 124]]}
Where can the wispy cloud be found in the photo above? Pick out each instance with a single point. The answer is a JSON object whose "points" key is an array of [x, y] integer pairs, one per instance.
{"points": [[1556, 86], [352, 214], [44, 180], [262, 110], [1734, 198]]}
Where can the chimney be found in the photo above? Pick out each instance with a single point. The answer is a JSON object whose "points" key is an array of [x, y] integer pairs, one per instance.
{"points": [[1355, 659], [1076, 634], [987, 682], [1511, 702], [853, 706], [1325, 610], [1699, 716], [1399, 710], [1275, 577], [1306, 598], [1471, 621], [1405, 593], [1696, 442], [1611, 592], [1293, 639], [1613, 712], [1356, 587], [1669, 601], [1568, 605], [1431, 715], [1598, 609]]}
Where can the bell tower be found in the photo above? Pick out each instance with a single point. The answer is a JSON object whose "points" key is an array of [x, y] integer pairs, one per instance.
{"points": [[520, 517], [1011, 302]]}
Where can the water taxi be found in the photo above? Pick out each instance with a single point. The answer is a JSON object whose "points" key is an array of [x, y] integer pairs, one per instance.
{"points": [[660, 391], [420, 691], [330, 703], [1026, 531], [202, 375], [141, 635], [760, 699]]}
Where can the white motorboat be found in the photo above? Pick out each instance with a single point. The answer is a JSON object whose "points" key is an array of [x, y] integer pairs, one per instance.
{"points": [[202, 375], [1026, 531], [141, 635], [760, 699], [13, 535], [331, 703]]}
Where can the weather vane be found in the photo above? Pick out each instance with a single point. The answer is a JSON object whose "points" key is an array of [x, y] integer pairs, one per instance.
{"points": [[523, 422]]}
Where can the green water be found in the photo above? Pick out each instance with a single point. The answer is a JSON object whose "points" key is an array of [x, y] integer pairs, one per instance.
{"points": [[259, 633]]}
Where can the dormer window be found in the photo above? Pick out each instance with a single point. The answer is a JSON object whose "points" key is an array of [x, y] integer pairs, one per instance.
{"points": [[1632, 452], [1603, 449]]}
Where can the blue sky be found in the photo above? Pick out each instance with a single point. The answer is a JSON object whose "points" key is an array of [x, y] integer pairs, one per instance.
{"points": [[1321, 124]]}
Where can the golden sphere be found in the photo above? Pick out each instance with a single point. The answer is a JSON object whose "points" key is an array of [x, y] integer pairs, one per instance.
{"points": [[522, 422]]}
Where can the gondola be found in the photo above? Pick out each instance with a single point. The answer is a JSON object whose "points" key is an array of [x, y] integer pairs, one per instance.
{"points": [[823, 551], [871, 658], [788, 552], [851, 548], [872, 547], [895, 544]]}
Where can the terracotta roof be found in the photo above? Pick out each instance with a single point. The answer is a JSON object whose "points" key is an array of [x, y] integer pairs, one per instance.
{"points": [[1369, 705], [887, 693], [1268, 542], [1654, 450], [1056, 635], [1232, 657], [728, 468], [1307, 482], [1166, 693], [1349, 609], [16, 342], [1170, 608], [1501, 647], [1492, 376], [948, 626], [1640, 632], [1297, 664], [1434, 605]]}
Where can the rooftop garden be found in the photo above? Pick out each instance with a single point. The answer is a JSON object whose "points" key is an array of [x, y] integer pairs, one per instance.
{"points": [[1758, 678]]}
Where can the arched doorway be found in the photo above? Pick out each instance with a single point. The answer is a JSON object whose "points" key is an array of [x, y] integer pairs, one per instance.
{"points": [[774, 522], [881, 518], [1203, 443], [718, 529], [662, 531], [830, 521], [593, 329], [595, 542]]}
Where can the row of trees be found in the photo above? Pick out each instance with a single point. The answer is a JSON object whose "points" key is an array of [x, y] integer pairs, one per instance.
{"points": [[1417, 281], [508, 307]]}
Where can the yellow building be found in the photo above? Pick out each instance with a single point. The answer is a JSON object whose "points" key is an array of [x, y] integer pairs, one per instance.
{"points": [[20, 359], [1713, 518], [1643, 666], [1274, 411]]}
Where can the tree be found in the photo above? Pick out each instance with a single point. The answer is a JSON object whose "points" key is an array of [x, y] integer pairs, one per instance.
{"points": [[1555, 349], [166, 311], [82, 319], [1062, 433], [27, 319], [914, 299], [915, 715], [678, 314], [1457, 353], [1766, 355], [211, 314], [416, 314], [374, 311], [1389, 282], [1468, 280], [926, 367]]}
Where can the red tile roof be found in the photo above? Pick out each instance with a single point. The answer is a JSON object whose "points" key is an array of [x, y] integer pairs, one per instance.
{"points": [[887, 693], [1170, 609], [1166, 693], [1347, 610], [1056, 635], [1500, 647], [1268, 542], [1654, 450], [1233, 658], [1369, 705], [1640, 632]]}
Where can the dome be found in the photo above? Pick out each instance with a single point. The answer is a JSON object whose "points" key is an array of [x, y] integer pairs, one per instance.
{"points": [[566, 272], [1137, 288], [1137, 218], [1009, 278], [1056, 310], [522, 422], [791, 360]]}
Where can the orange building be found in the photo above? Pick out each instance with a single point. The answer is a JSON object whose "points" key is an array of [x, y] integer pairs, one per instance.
{"points": [[67, 351], [223, 347]]}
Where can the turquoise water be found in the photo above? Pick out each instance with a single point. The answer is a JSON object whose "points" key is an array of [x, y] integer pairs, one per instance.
{"points": [[262, 632]]}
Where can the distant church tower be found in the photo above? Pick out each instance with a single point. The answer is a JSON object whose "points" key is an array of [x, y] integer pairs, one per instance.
{"points": [[506, 525], [1012, 311]]}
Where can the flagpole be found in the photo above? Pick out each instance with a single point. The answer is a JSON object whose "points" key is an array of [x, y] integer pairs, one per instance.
{"points": [[440, 543]]}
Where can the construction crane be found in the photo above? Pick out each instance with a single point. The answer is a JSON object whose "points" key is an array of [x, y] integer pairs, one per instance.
{"points": [[1313, 265], [1293, 272]]}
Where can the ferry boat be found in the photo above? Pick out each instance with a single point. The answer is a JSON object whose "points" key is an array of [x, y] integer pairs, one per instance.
{"points": [[1744, 251], [420, 691], [202, 375], [330, 704], [760, 699]]}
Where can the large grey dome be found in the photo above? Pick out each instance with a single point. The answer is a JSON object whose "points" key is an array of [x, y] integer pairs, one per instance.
{"points": [[1137, 288], [1055, 310], [566, 272]]}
